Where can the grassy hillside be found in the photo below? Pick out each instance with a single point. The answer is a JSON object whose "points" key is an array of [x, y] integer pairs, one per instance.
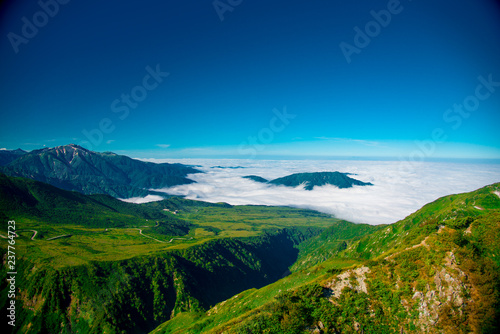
{"points": [[99, 227], [37, 201], [436, 271], [137, 294], [331, 242], [96, 264]]}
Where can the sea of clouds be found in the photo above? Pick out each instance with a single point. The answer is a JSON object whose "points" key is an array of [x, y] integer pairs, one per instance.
{"points": [[397, 191]]}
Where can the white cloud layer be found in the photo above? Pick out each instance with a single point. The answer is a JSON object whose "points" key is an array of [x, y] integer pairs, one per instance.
{"points": [[139, 200], [397, 191]]}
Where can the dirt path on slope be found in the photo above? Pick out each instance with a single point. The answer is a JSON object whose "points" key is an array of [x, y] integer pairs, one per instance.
{"points": [[422, 243]]}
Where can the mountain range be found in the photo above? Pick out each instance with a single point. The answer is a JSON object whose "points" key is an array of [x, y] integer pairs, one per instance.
{"points": [[75, 168], [91, 263], [94, 264]]}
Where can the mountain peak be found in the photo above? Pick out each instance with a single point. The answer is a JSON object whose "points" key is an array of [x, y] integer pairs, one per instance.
{"points": [[69, 147], [72, 167]]}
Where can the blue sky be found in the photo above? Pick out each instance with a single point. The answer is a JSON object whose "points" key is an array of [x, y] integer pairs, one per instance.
{"points": [[253, 79]]}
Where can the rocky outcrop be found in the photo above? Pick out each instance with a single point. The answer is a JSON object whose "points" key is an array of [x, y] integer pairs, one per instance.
{"points": [[353, 279], [448, 292]]}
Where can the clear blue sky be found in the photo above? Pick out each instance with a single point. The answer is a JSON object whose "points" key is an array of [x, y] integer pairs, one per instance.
{"points": [[227, 76]]}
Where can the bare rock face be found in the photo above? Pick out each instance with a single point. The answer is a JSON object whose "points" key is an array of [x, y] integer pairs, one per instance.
{"points": [[353, 279], [449, 287]]}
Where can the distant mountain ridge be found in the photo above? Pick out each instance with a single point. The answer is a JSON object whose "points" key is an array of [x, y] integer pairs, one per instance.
{"points": [[7, 156], [311, 180], [75, 168]]}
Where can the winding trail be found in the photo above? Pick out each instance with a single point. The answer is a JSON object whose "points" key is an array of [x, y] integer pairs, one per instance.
{"points": [[60, 236], [180, 239], [165, 242], [422, 243], [147, 236], [35, 232], [3, 236], [17, 235]]}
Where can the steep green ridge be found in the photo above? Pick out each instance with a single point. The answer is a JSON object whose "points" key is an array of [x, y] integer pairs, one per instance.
{"points": [[7, 156], [331, 242], [29, 199], [451, 211], [75, 168], [436, 271], [311, 180]]}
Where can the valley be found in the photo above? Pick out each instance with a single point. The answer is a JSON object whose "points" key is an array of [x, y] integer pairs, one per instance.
{"points": [[189, 254]]}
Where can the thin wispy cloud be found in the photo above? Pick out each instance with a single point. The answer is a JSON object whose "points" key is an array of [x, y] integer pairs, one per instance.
{"points": [[351, 140], [163, 145]]}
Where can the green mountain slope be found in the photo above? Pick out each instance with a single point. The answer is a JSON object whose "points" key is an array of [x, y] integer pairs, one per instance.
{"points": [[436, 271], [72, 167], [94, 264], [37, 201], [137, 294], [311, 180], [331, 242]]}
